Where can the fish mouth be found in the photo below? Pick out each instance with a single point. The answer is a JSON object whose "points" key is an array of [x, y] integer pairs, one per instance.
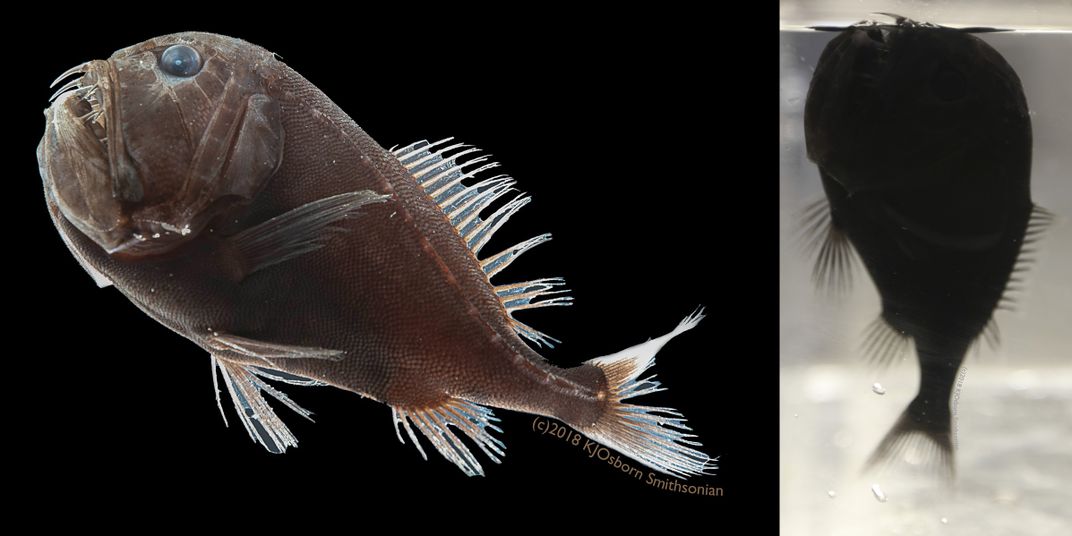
{"points": [[88, 104], [81, 156]]}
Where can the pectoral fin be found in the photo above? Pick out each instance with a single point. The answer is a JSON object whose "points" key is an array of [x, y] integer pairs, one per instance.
{"points": [[298, 231], [827, 242], [258, 418]]}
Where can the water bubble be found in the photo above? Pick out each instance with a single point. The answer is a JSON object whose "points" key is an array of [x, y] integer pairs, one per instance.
{"points": [[879, 494], [878, 389], [831, 494], [945, 521], [795, 415]]}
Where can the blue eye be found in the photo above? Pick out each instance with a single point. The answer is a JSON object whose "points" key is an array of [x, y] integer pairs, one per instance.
{"points": [[180, 60]]}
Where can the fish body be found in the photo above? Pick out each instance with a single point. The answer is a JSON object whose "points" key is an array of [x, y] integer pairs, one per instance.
{"points": [[923, 141], [235, 203]]}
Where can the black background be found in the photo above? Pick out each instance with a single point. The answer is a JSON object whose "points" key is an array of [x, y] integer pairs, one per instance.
{"points": [[646, 139]]}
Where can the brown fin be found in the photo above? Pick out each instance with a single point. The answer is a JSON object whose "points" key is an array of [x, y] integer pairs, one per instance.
{"points": [[224, 343], [258, 418], [653, 436], [828, 243], [297, 231], [434, 422]]}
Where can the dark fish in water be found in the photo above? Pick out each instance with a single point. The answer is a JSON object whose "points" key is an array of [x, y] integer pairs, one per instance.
{"points": [[923, 142], [232, 201]]}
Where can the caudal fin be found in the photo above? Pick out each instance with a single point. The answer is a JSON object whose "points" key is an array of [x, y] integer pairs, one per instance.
{"points": [[653, 436], [917, 439]]}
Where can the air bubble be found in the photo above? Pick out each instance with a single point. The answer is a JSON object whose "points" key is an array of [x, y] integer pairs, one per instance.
{"points": [[878, 389], [879, 494]]}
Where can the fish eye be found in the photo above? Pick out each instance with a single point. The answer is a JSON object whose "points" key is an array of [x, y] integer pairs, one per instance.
{"points": [[948, 84], [180, 60]]}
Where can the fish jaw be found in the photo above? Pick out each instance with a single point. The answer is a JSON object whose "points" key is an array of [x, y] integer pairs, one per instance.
{"points": [[73, 156]]}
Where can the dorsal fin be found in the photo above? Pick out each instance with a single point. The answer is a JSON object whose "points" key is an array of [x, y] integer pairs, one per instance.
{"points": [[1039, 220], [441, 175]]}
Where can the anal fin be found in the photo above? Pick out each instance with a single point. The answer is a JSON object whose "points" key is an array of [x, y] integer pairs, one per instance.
{"points": [[883, 344], [434, 422]]}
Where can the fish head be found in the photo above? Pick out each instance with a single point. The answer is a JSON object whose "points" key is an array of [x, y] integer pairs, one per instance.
{"points": [[145, 148], [908, 104]]}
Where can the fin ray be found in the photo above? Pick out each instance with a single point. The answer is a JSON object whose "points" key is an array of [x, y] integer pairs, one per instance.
{"points": [[267, 351], [912, 440], [434, 423], [833, 252], [257, 417], [298, 231], [883, 344], [498, 262], [1038, 223], [654, 436], [440, 169]]}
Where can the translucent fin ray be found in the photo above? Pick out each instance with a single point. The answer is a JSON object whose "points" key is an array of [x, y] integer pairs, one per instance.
{"points": [[435, 423], [519, 296], [257, 417], [828, 243], [298, 231], [498, 262], [266, 351], [654, 436], [439, 169], [1038, 222], [285, 377], [883, 344]]}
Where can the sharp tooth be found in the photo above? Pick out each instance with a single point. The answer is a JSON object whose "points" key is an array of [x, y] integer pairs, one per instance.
{"points": [[72, 84], [73, 70]]}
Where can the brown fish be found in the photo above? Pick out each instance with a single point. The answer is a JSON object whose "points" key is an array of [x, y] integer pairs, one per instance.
{"points": [[233, 202]]}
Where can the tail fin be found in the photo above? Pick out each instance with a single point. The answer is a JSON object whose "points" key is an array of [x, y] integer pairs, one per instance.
{"points": [[653, 436], [918, 438]]}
